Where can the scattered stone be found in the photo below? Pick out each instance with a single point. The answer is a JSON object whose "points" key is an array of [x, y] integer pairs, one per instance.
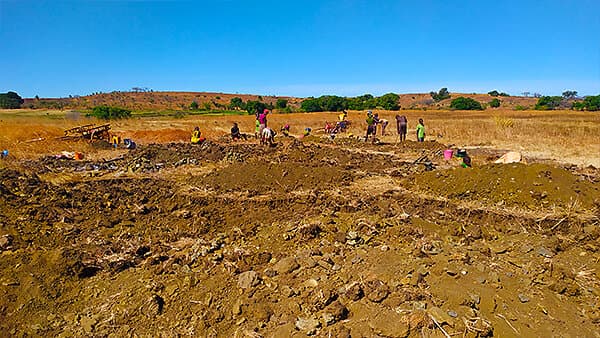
{"points": [[324, 264], [270, 272], [452, 314], [335, 312], [439, 315], [311, 283], [6, 242], [236, 309], [418, 305], [352, 235], [353, 238], [307, 262], [308, 326], [354, 291], [248, 279], [287, 291], [544, 252], [155, 306], [377, 290], [523, 298], [357, 259], [286, 265]]}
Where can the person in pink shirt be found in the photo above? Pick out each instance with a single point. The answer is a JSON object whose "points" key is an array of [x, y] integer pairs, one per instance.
{"points": [[262, 120]]}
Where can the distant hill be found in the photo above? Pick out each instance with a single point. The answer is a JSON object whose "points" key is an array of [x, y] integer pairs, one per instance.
{"points": [[206, 100]]}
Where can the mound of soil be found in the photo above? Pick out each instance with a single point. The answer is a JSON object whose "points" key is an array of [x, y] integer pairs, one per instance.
{"points": [[532, 186], [285, 177]]}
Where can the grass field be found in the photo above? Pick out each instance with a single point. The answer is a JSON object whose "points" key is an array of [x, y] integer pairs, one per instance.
{"points": [[565, 136]]}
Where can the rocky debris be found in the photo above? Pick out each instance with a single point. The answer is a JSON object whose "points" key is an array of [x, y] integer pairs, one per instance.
{"points": [[439, 315], [334, 312], [542, 251], [376, 290], [6, 242], [248, 279], [352, 291], [523, 298], [353, 238], [308, 325], [154, 306], [286, 265]]}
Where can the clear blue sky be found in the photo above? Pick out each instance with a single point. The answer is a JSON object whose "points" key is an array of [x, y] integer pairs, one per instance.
{"points": [[300, 48]]}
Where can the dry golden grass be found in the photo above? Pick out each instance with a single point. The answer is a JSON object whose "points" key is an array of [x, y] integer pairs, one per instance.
{"points": [[565, 136]]}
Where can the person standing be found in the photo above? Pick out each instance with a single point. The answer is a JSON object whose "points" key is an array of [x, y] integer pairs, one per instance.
{"points": [[370, 126], [256, 125], [262, 120], [401, 126], [421, 131]]}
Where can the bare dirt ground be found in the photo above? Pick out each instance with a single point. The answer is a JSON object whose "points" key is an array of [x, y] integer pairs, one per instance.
{"points": [[311, 237]]}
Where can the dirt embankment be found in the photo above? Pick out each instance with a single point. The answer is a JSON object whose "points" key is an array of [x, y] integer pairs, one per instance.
{"points": [[315, 238]]}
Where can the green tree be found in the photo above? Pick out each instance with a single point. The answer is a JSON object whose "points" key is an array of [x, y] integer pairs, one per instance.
{"points": [[311, 104], [465, 103], [10, 100], [253, 107], [494, 93], [236, 103], [110, 113], [281, 103], [194, 105], [569, 94], [389, 101], [442, 94], [591, 103], [548, 102], [495, 103], [332, 103]]}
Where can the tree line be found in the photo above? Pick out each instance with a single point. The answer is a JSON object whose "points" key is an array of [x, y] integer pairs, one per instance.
{"points": [[388, 101]]}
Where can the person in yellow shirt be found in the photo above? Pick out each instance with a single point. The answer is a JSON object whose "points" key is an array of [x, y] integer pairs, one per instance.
{"points": [[196, 138], [115, 141]]}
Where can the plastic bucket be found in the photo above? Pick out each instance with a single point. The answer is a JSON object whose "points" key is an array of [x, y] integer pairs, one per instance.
{"points": [[448, 154]]}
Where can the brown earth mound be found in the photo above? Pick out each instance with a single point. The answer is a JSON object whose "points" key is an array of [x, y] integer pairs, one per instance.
{"points": [[531, 186]]}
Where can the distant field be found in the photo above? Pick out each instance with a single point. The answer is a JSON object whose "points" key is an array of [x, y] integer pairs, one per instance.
{"points": [[565, 136]]}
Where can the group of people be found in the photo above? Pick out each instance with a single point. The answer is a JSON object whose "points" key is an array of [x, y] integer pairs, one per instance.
{"points": [[127, 143], [267, 134], [373, 121]]}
